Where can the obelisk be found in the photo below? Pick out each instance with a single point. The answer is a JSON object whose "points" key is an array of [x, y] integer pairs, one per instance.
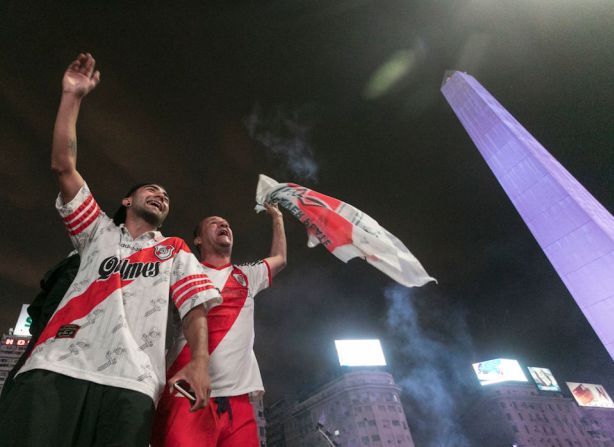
{"points": [[573, 229]]}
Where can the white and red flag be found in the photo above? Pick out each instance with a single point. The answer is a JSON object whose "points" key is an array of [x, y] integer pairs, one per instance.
{"points": [[344, 230]]}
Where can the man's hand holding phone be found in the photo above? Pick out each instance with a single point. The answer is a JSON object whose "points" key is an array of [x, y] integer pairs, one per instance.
{"points": [[194, 380], [184, 389]]}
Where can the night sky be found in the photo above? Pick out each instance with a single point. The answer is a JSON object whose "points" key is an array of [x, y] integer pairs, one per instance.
{"points": [[204, 98]]}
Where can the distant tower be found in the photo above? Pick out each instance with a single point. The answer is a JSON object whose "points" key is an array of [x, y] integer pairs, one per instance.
{"points": [[574, 230]]}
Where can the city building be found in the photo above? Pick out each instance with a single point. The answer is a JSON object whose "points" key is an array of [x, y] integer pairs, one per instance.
{"points": [[11, 348], [258, 405], [358, 408], [518, 414]]}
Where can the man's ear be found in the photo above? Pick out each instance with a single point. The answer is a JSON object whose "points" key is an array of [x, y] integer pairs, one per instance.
{"points": [[126, 202], [197, 241]]}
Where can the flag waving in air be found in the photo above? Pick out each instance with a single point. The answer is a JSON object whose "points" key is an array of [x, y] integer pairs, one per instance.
{"points": [[344, 230]]}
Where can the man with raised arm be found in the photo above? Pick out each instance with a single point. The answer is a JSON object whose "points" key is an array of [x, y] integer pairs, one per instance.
{"points": [[229, 419], [98, 367]]}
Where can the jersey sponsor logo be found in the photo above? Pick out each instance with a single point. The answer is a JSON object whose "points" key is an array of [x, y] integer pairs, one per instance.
{"points": [[67, 331], [163, 252], [127, 269]]}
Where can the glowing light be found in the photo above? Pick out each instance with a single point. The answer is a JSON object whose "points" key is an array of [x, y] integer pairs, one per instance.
{"points": [[499, 370], [390, 73], [360, 353], [544, 379], [590, 395]]}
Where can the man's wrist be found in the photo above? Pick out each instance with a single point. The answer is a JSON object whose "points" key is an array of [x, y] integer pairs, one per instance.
{"points": [[197, 358], [70, 95]]}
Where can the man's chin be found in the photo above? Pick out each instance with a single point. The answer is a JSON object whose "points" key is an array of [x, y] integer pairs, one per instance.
{"points": [[153, 218], [225, 246]]}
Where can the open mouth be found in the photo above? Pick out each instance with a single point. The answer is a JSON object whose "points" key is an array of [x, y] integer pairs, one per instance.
{"points": [[155, 203], [223, 232]]}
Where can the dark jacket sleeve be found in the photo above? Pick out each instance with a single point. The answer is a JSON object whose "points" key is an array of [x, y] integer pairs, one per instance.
{"points": [[54, 285]]}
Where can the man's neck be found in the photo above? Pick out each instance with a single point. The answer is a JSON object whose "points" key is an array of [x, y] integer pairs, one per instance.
{"points": [[138, 227], [215, 259]]}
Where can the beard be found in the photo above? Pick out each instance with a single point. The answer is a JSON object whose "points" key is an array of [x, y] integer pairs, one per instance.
{"points": [[149, 216]]}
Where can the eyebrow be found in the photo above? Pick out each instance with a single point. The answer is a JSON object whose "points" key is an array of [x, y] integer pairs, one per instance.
{"points": [[217, 220], [157, 188]]}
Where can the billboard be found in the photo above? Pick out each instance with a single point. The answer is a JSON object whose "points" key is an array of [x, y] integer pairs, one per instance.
{"points": [[499, 370], [360, 353], [544, 379], [23, 322], [15, 341], [590, 395]]}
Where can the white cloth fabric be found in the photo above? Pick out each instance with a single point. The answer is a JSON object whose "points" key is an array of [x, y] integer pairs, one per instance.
{"points": [[344, 230]]}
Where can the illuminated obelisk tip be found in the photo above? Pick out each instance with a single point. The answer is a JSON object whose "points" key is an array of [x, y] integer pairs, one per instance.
{"points": [[573, 229]]}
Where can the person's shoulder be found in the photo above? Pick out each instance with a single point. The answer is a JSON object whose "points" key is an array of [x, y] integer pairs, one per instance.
{"points": [[175, 241], [250, 264]]}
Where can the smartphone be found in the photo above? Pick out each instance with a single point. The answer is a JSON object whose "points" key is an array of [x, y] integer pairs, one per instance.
{"points": [[183, 388]]}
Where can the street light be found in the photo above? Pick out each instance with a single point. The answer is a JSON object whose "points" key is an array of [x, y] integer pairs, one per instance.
{"points": [[326, 435]]}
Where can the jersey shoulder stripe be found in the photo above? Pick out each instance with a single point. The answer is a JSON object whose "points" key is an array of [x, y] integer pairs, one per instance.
{"points": [[193, 292], [83, 217], [86, 203], [179, 286]]}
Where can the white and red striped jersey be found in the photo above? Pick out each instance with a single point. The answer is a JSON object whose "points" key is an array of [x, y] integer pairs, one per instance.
{"points": [[232, 363], [111, 326]]}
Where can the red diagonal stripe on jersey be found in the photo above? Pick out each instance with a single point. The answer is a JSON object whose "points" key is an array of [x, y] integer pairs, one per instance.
{"points": [[221, 318], [182, 359], [81, 305]]}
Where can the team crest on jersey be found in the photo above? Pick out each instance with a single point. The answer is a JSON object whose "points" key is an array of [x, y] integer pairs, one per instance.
{"points": [[240, 279], [163, 252]]}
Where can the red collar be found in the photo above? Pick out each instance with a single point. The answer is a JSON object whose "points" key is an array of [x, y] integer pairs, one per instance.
{"points": [[211, 266]]}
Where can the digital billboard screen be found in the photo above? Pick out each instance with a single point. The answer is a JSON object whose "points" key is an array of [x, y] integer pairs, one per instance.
{"points": [[499, 370], [23, 322], [544, 379], [13, 341], [360, 353], [590, 395]]}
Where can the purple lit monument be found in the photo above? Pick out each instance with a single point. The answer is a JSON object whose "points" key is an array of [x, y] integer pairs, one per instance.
{"points": [[574, 230]]}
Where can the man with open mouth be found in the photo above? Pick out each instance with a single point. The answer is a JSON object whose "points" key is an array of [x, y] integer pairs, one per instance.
{"points": [[98, 367], [229, 419]]}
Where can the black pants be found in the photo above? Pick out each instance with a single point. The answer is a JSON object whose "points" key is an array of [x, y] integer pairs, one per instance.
{"points": [[52, 410]]}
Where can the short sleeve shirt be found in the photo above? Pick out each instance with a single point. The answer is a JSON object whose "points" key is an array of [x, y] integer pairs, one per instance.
{"points": [[233, 367], [111, 326]]}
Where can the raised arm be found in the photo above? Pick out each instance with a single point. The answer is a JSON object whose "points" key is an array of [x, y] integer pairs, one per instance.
{"points": [[277, 259], [79, 79], [196, 372]]}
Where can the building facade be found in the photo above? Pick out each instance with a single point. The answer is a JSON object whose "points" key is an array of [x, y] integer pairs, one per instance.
{"points": [[357, 409], [258, 405], [517, 414], [11, 348]]}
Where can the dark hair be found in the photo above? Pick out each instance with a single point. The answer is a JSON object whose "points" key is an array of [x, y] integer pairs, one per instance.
{"points": [[119, 217]]}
